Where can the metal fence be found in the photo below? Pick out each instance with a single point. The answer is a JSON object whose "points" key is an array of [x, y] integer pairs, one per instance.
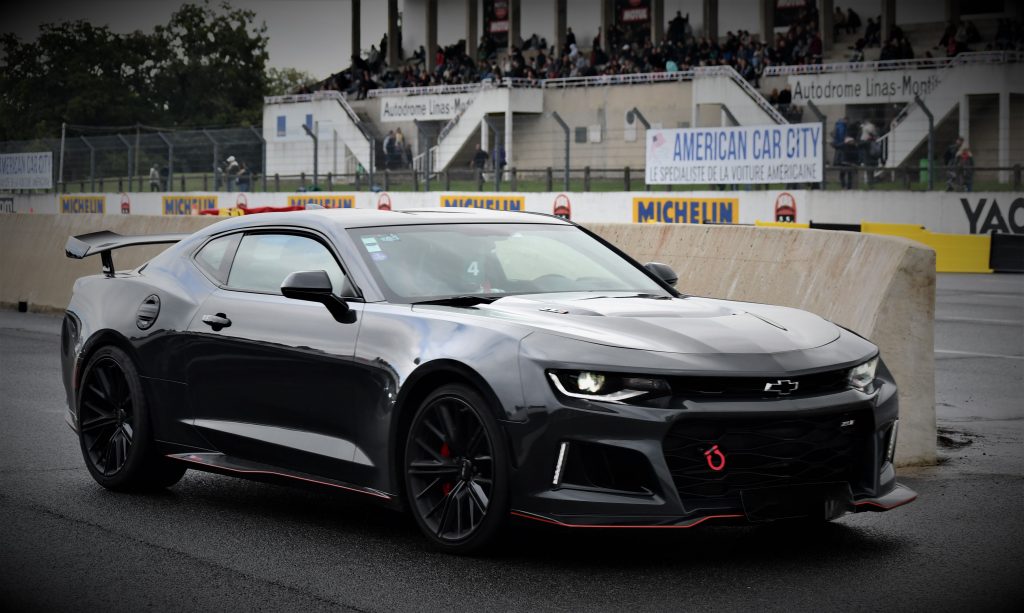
{"points": [[123, 160]]}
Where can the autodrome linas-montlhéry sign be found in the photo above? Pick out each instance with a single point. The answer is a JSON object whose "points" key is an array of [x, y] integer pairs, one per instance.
{"points": [[863, 87]]}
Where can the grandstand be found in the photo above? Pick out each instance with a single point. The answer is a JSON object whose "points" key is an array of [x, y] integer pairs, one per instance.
{"points": [[566, 89], [505, 88]]}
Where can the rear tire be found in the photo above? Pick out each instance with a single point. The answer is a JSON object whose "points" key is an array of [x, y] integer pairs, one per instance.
{"points": [[456, 471], [115, 429]]}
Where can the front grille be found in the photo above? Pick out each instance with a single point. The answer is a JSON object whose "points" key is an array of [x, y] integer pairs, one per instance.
{"points": [[759, 452], [753, 387]]}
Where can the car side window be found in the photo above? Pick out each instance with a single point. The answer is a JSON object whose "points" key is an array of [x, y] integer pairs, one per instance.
{"points": [[263, 261], [215, 256]]}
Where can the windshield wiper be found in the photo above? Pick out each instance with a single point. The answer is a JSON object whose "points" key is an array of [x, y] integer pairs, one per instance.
{"points": [[460, 301], [636, 295]]}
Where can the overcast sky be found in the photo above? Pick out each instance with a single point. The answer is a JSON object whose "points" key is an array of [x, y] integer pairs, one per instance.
{"points": [[307, 34]]}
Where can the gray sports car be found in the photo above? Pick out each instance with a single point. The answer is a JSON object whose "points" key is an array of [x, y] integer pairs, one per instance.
{"points": [[469, 366]]}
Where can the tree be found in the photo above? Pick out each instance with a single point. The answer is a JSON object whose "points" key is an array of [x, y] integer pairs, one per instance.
{"points": [[283, 81], [205, 67], [210, 67]]}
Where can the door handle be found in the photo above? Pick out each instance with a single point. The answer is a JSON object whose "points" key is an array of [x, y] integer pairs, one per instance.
{"points": [[217, 322]]}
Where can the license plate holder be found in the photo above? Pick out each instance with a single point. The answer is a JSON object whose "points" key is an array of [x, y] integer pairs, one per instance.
{"points": [[825, 500]]}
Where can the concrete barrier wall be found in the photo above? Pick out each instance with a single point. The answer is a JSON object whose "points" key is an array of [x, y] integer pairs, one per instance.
{"points": [[881, 287], [35, 269]]}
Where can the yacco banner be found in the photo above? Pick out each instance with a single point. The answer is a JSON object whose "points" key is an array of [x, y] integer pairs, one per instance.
{"points": [[423, 108], [188, 205], [891, 86], [789, 153], [26, 170], [686, 210], [495, 202], [328, 201], [83, 204]]}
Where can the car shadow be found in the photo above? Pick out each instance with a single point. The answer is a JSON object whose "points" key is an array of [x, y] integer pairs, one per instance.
{"points": [[352, 518]]}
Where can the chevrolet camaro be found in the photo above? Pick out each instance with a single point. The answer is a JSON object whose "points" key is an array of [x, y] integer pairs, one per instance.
{"points": [[470, 367]]}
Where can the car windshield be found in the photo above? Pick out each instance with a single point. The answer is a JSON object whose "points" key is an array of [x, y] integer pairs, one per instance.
{"points": [[430, 262]]}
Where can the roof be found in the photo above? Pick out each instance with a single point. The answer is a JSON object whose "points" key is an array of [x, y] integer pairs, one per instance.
{"points": [[361, 218]]}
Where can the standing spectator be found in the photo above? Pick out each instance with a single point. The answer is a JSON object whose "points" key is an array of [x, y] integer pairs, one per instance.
{"points": [[399, 145], [154, 179], [230, 171], [852, 21], [570, 38], [243, 177], [838, 22], [389, 148], [499, 158], [839, 137], [479, 159], [949, 159], [965, 169], [846, 158], [868, 131]]}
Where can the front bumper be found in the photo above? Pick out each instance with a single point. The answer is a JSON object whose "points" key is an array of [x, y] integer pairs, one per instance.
{"points": [[644, 484]]}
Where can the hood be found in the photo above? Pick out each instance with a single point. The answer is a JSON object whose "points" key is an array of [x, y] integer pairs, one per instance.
{"points": [[674, 325]]}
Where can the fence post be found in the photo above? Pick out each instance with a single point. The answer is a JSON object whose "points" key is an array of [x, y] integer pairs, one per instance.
{"points": [[1016, 176], [206, 184], [479, 180], [513, 179], [92, 163], [263, 155], [277, 182], [447, 181], [824, 136], [357, 181], [387, 180], [131, 168], [548, 179], [101, 185], [627, 180], [330, 182], [565, 128], [120, 184], [170, 160], [586, 178], [183, 183], [302, 180], [931, 140]]}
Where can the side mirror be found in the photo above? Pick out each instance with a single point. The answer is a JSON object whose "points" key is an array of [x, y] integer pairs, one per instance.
{"points": [[315, 286], [663, 272]]}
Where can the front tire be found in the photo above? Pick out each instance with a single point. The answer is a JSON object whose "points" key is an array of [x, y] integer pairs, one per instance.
{"points": [[456, 470], [115, 429]]}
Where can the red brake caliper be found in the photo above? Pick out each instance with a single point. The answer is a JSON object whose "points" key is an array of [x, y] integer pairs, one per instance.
{"points": [[446, 453]]}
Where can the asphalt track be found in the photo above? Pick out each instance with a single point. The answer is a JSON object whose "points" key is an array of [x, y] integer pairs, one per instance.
{"points": [[216, 543]]}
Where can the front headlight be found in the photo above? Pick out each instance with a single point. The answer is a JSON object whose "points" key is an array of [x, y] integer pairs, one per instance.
{"points": [[861, 376], [608, 387]]}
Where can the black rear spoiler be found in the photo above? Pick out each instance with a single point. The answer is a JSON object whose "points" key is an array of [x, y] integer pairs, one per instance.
{"points": [[103, 242]]}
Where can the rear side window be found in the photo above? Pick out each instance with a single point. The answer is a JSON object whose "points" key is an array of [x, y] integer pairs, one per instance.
{"points": [[215, 257], [264, 260]]}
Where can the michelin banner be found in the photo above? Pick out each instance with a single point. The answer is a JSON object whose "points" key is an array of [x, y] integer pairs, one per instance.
{"points": [[790, 153]]}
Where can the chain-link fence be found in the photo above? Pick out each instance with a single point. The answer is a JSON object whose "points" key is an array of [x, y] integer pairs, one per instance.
{"points": [[143, 159]]}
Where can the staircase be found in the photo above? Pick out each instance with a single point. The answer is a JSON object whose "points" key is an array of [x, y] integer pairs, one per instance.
{"points": [[458, 132], [968, 74], [331, 109], [722, 85]]}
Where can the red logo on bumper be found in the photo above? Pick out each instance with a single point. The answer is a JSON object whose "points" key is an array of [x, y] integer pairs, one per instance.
{"points": [[715, 458]]}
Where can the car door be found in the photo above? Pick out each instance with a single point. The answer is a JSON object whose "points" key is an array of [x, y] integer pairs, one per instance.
{"points": [[272, 379]]}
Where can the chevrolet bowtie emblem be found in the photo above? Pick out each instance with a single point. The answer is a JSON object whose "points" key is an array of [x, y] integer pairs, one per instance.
{"points": [[782, 387]]}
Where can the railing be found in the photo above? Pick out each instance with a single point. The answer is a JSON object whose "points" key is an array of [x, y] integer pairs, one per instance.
{"points": [[622, 179], [430, 90], [980, 57], [729, 71]]}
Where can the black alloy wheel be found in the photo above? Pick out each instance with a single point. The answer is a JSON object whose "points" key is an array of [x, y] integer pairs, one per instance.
{"points": [[107, 417], [114, 427], [456, 474]]}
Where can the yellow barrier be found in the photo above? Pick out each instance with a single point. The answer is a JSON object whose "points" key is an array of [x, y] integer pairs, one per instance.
{"points": [[953, 252]]}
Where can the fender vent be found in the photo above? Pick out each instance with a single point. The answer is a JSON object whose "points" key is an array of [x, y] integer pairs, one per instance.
{"points": [[149, 310]]}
